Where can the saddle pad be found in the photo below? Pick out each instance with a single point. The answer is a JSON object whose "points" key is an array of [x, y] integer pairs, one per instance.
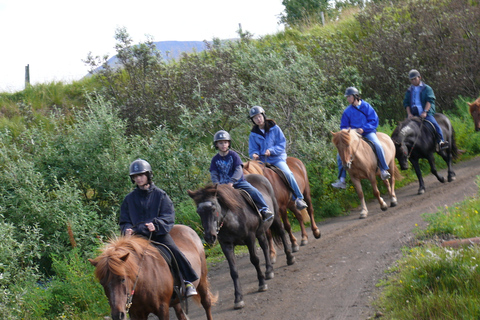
{"points": [[281, 174]]}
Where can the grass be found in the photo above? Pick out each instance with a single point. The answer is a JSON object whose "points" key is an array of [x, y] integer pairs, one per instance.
{"points": [[432, 282]]}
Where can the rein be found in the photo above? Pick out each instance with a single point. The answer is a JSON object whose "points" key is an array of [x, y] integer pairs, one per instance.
{"points": [[352, 156], [415, 141], [130, 296]]}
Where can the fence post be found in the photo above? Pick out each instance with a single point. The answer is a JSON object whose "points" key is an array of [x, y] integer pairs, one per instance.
{"points": [[27, 75]]}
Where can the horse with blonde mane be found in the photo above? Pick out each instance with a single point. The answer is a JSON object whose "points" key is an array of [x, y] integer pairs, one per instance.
{"points": [[360, 161], [137, 279]]}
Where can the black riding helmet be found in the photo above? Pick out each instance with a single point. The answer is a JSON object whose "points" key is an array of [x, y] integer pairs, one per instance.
{"points": [[352, 91], [256, 110], [221, 135], [141, 166]]}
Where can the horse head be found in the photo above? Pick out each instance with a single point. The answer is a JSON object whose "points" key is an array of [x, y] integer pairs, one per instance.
{"points": [[342, 140], [208, 210], [474, 109], [404, 139], [116, 268]]}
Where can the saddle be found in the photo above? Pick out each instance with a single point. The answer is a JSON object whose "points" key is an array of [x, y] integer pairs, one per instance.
{"points": [[281, 174], [250, 201]]}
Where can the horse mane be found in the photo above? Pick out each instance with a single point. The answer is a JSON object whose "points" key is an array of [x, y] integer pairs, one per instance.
{"points": [[253, 167], [343, 137], [227, 196], [397, 131], [113, 259]]}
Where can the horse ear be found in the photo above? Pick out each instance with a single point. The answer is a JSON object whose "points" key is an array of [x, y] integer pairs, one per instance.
{"points": [[93, 262], [125, 257], [191, 193]]}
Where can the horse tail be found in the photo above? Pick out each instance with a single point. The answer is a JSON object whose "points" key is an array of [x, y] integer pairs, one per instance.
{"points": [[210, 296], [276, 230], [396, 173]]}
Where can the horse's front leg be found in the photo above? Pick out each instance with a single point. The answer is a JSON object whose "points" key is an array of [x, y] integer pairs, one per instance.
{"points": [[358, 187], [390, 183], [179, 312], [418, 172], [229, 252], [433, 168], [313, 225]]}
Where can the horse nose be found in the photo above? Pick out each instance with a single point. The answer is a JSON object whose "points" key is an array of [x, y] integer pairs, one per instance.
{"points": [[119, 316], [210, 238]]}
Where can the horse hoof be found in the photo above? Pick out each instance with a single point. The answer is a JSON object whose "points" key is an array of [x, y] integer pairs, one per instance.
{"points": [[295, 247], [450, 179], [239, 305], [304, 242], [441, 179], [363, 215], [393, 204], [273, 260], [317, 234], [269, 275], [263, 288], [421, 191], [384, 208], [291, 261]]}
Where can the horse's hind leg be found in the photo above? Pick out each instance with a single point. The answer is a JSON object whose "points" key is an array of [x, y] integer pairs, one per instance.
{"points": [[447, 157], [433, 168], [179, 312], [288, 229], [376, 193], [299, 217], [262, 241]]}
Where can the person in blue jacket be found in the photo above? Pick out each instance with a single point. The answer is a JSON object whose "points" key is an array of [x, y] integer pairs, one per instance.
{"points": [[226, 167], [360, 116], [420, 101], [148, 212], [267, 143]]}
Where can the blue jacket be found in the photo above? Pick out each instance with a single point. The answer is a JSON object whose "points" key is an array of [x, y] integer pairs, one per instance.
{"points": [[144, 206], [227, 169], [426, 95], [273, 140], [364, 117]]}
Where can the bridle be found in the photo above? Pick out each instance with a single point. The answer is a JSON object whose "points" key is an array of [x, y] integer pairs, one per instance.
{"points": [[402, 143], [130, 296], [352, 155]]}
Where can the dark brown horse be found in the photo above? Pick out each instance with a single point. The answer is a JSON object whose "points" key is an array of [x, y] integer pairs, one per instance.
{"points": [[284, 196], [133, 266], [228, 217], [474, 109], [360, 161]]}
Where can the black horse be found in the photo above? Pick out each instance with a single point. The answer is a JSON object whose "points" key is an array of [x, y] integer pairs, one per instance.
{"points": [[416, 139], [226, 215]]}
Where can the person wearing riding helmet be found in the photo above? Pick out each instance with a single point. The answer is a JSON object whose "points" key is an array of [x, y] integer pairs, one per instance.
{"points": [[147, 211], [226, 168], [420, 101], [267, 143], [360, 116]]}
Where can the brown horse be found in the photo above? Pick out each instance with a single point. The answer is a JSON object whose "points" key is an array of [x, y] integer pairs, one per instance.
{"points": [[360, 161], [131, 267], [474, 108], [284, 196]]}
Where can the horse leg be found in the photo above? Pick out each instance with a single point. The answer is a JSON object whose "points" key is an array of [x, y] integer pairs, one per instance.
{"points": [[433, 168], [250, 242], [447, 157], [299, 217], [229, 252], [313, 225], [273, 252], [179, 312], [376, 192], [203, 290], [288, 228], [418, 172], [391, 185], [277, 227], [358, 187]]}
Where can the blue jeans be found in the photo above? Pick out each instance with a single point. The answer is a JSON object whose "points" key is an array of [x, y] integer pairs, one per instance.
{"points": [[433, 121], [372, 136], [253, 192], [282, 165]]}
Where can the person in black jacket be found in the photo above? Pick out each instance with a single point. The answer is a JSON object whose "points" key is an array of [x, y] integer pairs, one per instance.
{"points": [[147, 211]]}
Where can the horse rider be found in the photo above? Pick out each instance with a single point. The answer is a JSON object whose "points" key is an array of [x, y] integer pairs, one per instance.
{"points": [[147, 211], [226, 168], [267, 143], [360, 116], [420, 101]]}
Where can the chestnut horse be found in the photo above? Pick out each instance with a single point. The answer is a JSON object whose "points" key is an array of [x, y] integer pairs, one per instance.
{"points": [[284, 196], [131, 269], [228, 217], [474, 109], [361, 162]]}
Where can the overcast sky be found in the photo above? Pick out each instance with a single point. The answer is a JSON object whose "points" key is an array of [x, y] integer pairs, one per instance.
{"points": [[53, 36]]}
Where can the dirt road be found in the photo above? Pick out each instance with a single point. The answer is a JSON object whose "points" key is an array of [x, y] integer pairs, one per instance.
{"points": [[335, 276]]}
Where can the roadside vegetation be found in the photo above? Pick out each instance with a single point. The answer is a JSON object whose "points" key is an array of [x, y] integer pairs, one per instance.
{"points": [[65, 148]]}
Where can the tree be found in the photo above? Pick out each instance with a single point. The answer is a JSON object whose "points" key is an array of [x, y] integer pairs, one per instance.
{"points": [[299, 11]]}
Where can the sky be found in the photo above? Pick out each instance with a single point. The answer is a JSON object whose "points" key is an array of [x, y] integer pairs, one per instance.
{"points": [[54, 36]]}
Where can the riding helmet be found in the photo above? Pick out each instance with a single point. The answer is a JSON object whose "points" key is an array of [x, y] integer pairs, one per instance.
{"points": [[351, 91], [256, 110], [221, 135], [141, 166], [413, 74]]}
